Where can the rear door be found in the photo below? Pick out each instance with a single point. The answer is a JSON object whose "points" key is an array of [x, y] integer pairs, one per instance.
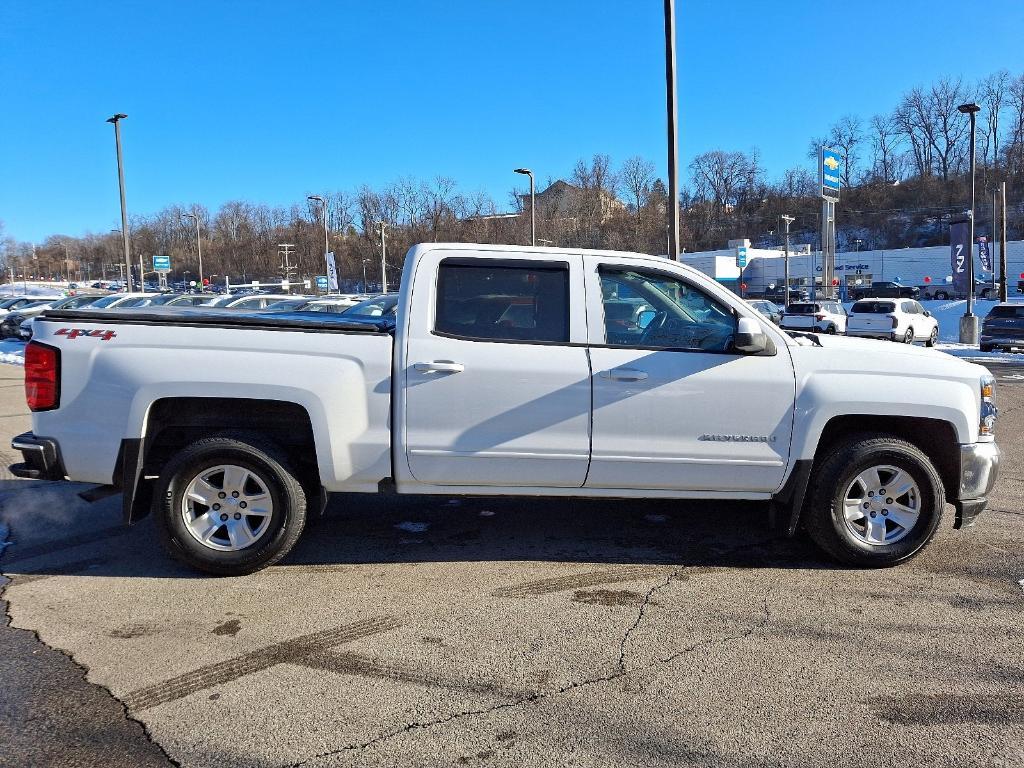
{"points": [[497, 380]]}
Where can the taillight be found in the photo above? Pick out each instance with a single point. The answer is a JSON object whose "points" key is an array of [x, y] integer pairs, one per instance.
{"points": [[819, 317], [42, 376], [895, 321]]}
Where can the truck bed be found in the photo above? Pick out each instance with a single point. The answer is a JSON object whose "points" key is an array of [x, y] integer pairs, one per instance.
{"points": [[197, 317]]}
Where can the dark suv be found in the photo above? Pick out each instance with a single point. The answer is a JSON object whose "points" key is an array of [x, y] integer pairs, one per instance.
{"points": [[1003, 328]]}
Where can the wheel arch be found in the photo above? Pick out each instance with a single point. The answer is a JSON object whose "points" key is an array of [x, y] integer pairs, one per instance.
{"points": [[175, 422]]}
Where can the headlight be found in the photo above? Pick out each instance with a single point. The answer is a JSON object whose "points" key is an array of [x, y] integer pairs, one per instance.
{"points": [[989, 412]]}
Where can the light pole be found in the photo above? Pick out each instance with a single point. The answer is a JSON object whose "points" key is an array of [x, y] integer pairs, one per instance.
{"points": [[327, 237], [533, 205], [969, 322], [199, 245], [673, 133], [787, 220], [116, 120], [365, 262], [383, 259]]}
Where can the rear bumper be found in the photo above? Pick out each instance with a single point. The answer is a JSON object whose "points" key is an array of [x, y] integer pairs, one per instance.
{"points": [[870, 334], [979, 470], [41, 456], [1001, 341]]}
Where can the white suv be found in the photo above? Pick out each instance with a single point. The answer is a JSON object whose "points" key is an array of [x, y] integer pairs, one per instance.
{"points": [[895, 319], [825, 316]]}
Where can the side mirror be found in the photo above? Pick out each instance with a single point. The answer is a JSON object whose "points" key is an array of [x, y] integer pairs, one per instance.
{"points": [[750, 338], [645, 317], [927, 313]]}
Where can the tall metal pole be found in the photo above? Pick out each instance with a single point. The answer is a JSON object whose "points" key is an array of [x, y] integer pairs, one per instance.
{"points": [[116, 120], [969, 323], [533, 204], [992, 245], [199, 244], [327, 237], [1004, 289], [788, 220], [383, 260], [673, 133]]}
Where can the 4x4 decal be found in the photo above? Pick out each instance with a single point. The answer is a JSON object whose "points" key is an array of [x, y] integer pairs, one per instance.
{"points": [[74, 333]]}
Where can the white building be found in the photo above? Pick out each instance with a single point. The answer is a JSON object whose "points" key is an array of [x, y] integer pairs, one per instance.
{"points": [[910, 266]]}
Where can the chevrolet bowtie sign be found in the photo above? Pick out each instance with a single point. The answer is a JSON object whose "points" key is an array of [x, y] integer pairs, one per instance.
{"points": [[828, 173]]}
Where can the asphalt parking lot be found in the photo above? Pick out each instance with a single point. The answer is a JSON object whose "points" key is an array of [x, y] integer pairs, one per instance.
{"points": [[412, 631]]}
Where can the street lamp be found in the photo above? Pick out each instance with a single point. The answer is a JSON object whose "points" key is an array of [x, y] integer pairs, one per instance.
{"points": [[116, 120], [673, 131], [199, 246], [383, 259], [365, 262], [323, 205], [969, 322], [787, 220], [533, 205]]}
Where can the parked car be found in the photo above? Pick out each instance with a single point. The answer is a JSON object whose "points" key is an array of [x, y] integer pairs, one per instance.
{"points": [[290, 305], [462, 392], [253, 301], [379, 306], [944, 291], [11, 325], [778, 296], [123, 300], [885, 289], [769, 310], [1003, 328], [894, 319], [181, 299], [17, 302], [826, 316]]}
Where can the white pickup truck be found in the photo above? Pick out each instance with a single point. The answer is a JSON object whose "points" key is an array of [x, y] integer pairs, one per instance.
{"points": [[507, 371]]}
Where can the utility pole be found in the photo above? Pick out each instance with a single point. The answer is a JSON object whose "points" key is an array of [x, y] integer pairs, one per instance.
{"points": [[787, 220], [992, 245], [365, 262], [285, 252], [1004, 289], [673, 132], [383, 260], [116, 120]]}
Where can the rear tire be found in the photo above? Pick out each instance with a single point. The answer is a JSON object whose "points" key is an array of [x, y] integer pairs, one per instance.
{"points": [[908, 337], [848, 538], [229, 536], [942, 295], [985, 347], [933, 338]]}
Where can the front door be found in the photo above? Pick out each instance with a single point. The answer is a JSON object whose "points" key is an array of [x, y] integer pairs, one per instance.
{"points": [[496, 392], [674, 407]]}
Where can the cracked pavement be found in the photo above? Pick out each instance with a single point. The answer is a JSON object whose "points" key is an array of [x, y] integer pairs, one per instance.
{"points": [[513, 633]]}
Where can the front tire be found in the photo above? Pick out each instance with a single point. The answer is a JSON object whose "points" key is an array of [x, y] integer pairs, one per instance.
{"points": [[875, 501], [229, 506]]}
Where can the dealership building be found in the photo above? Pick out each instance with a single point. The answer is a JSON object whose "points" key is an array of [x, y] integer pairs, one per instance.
{"points": [[765, 267]]}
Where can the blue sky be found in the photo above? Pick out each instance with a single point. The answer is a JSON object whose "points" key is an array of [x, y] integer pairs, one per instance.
{"points": [[270, 101]]}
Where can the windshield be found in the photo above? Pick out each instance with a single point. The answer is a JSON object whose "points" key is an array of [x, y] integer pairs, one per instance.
{"points": [[11, 302], [376, 307], [106, 301], [873, 307]]}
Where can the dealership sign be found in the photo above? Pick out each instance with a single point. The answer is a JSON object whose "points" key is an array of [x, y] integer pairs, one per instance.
{"points": [[829, 161]]}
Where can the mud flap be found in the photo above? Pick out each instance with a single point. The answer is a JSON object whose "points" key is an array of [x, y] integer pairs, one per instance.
{"points": [[785, 507]]}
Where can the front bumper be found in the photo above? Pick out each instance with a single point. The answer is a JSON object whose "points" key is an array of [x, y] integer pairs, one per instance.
{"points": [[979, 470], [41, 455]]}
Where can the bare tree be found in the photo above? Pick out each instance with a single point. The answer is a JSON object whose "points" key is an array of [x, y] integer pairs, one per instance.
{"points": [[885, 141], [637, 175]]}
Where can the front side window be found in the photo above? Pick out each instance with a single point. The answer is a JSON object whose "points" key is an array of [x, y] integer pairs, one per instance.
{"points": [[527, 302], [651, 309]]}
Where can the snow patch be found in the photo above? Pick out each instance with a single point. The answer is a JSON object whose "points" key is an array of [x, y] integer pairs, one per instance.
{"points": [[12, 352]]}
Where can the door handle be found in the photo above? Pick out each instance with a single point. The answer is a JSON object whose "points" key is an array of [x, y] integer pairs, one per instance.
{"points": [[440, 366], [624, 374]]}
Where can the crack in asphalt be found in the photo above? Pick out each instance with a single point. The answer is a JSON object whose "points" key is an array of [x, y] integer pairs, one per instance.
{"points": [[640, 614], [536, 696]]}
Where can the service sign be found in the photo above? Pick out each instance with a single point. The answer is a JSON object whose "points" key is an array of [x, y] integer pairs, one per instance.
{"points": [[828, 173], [161, 263]]}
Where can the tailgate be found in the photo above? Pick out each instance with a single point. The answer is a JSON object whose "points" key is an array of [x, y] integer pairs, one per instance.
{"points": [[869, 323]]}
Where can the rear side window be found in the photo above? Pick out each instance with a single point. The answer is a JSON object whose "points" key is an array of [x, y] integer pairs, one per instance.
{"points": [[501, 301], [802, 309], [873, 308]]}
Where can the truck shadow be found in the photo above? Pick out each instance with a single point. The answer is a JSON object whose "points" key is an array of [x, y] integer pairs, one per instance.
{"points": [[359, 530]]}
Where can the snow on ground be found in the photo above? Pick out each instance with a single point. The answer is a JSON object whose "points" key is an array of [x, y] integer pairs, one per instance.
{"points": [[12, 352], [33, 288]]}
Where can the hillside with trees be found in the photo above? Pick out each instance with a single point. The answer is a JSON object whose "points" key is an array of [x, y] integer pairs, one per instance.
{"points": [[904, 177]]}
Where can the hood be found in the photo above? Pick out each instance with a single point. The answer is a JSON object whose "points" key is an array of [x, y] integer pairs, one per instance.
{"points": [[841, 353]]}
